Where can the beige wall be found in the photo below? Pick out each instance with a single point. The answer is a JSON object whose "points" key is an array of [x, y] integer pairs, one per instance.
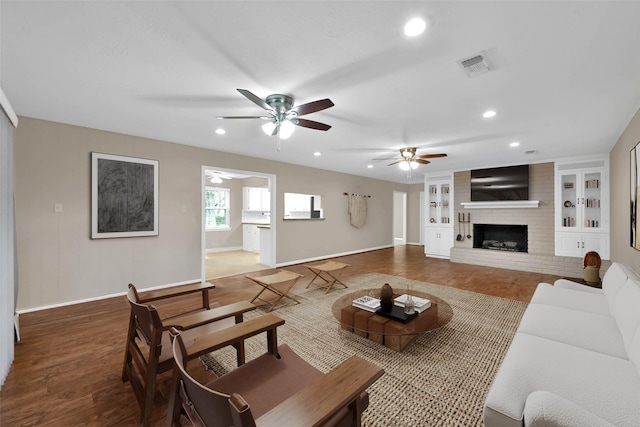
{"points": [[413, 213], [58, 262], [621, 250]]}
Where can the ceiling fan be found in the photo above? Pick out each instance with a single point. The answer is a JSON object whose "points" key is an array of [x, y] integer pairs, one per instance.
{"points": [[216, 177], [409, 160], [282, 115]]}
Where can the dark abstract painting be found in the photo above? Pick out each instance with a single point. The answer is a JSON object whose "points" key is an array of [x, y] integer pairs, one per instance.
{"points": [[124, 196]]}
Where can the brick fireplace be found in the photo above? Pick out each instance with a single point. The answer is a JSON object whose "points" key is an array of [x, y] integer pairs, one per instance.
{"points": [[539, 221], [500, 237]]}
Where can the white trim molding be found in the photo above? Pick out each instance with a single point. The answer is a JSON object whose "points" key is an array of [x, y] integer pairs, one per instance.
{"points": [[6, 106], [515, 204]]}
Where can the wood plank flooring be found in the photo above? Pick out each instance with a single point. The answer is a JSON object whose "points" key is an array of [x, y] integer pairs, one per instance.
{"points": [[67, 367]]}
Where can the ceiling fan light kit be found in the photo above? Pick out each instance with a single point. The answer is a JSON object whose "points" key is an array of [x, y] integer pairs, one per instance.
{"points": [[409, 160], [408, 165], [283, 116]]}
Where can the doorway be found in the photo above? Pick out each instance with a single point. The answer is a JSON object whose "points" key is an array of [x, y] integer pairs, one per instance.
{"points": [[223, 249], [399, 218]]}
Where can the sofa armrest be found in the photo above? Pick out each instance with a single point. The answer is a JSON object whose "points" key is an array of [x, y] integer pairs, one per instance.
{"points": [[320, 400], [575, 286], [546, 409]]}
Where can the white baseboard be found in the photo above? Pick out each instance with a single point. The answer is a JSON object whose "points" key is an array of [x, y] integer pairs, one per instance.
{"points": [[64, 304], [16, 323], [302, 261], [227, 249]]}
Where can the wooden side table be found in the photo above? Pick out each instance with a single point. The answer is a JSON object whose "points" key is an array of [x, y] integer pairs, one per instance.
{"points": [[332, 269]]}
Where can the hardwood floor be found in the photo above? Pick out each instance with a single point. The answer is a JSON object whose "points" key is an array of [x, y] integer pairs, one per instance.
{"points": [[67, 367]]}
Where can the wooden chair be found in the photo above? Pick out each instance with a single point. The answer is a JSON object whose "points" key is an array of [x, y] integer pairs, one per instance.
{"points": [[275, 389], [148, 347]]}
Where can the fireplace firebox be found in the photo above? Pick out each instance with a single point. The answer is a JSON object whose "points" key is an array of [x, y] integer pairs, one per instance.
{"points": [[500, 237]]}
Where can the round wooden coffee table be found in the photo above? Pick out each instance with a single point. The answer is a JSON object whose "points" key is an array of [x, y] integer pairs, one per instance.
{"points": [[391, 333]]}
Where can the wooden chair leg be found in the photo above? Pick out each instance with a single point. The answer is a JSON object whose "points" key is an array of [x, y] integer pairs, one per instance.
{"points": [[317, 274]]}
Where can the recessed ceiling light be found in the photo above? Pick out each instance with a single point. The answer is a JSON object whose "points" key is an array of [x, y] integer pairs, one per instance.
{"points": [[317, 153], [415, 27], [220, 131], [488, 114], [370, 166], [514, 144]]}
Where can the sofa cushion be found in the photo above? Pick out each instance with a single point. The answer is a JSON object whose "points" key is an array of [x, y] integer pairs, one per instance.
{"points": [[634, 350], [544, 409], [626, 310], [569, 284], [546, 293], [614, 279], [258, 388], [606, 385], [590, 331]]}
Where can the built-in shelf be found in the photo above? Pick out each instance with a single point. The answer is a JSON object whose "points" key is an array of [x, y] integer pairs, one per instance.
{"points": [[512, 204]]}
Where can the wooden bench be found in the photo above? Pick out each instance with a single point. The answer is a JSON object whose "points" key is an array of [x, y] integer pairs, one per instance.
{"points": [[269, 283], [332, 269]]}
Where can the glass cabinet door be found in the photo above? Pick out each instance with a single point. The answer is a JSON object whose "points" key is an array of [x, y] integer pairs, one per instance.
{"points": [[444, 204], [438, 203], [432, 203], [591, 200], [570, 199]]}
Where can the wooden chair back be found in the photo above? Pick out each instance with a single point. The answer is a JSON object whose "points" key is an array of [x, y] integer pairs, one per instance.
{"points": [[144, 358], [206, 407]]}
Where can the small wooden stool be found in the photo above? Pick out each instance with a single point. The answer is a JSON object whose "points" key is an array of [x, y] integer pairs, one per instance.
{"points": [[328, 268], [268, 283]]}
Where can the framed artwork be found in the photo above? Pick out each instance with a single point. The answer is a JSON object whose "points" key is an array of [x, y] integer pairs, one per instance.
{"points": [[635, 193], [124, 196]]}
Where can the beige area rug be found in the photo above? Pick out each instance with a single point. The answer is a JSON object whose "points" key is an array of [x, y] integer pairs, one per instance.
{"points": [[439, 380]]}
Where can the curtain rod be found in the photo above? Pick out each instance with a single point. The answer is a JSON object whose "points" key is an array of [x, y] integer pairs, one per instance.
{"points": [[346, 194]]}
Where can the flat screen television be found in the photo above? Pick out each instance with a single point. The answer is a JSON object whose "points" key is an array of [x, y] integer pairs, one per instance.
{"points": [[500, 184]]}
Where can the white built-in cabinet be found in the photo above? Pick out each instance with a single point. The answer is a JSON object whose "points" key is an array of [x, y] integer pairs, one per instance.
{"points": [[582, 207], [250, 238], [439, 211], [256, 199]]}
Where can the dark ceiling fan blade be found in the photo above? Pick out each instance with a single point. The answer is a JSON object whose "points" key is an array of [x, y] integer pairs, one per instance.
{"points": [[312, 107], [422, 161], [385, 158], [431, 156], [310, 124], [255, 99], [395, 163], [244, 117]]}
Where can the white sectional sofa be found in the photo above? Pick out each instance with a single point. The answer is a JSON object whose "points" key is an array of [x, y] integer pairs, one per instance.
{"points": [[575, 358]]}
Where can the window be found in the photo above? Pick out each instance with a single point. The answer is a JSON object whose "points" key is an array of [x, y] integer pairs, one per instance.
{"points": [[216, 208], [302, 206]]}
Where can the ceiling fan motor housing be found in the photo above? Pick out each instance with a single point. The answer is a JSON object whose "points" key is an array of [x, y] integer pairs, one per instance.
{"points": [[280, 103]]}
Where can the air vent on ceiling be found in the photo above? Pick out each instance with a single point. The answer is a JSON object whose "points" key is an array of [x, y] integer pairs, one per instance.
{"points": [[475, 65]]}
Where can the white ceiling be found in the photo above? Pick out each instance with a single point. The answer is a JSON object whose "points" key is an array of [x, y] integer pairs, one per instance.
{"points": [[565, 78]]}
